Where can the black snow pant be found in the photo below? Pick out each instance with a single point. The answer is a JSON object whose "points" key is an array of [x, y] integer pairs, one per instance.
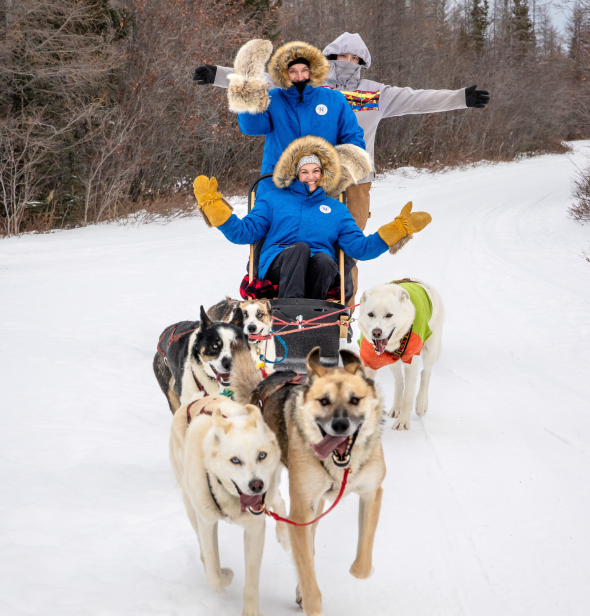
{"points": [[298, 274]]}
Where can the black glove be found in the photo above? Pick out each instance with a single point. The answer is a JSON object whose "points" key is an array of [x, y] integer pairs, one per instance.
{"points": [[476, 98], [205, 74]]}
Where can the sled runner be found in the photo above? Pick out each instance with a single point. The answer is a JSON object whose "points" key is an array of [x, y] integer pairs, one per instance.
{"points": [[300, 324]]}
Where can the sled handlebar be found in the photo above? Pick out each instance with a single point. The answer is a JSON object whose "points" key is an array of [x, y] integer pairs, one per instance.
{"points": [[251, 192]]}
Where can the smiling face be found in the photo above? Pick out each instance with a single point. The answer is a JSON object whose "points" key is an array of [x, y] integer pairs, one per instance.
{"points": [[337, 404], [310, 174], [244, 455], [298, 72], [386, 313], [213, 345]]}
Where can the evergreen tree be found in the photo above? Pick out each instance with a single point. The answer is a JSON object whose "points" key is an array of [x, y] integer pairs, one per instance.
{"points": [[479, 15], [521, 26]]}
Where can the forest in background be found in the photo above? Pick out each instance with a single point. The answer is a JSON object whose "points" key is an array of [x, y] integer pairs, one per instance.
{"points": [[99, 117]]}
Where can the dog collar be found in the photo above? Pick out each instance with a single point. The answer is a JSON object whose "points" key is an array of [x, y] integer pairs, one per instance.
{"points": [[213, 495], [197, 382], [403, 344]]}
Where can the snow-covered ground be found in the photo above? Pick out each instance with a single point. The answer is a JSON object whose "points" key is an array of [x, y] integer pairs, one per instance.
{"points": [[487, 498]]}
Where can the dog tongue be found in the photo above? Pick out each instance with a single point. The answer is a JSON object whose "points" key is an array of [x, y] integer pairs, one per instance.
{"points": [[327, 445], [380, 345], [254, 501], [223, 376]]}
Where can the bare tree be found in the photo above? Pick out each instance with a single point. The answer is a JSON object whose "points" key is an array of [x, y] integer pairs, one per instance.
{"points": [[24, 148], [108, 172]]}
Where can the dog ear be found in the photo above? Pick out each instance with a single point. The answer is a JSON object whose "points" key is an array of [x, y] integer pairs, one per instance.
{"points": [[206, 322], [219, 421], [254, 414], [404, 295], [238, 318], [350, 361], [314, 367], [363, 298]]}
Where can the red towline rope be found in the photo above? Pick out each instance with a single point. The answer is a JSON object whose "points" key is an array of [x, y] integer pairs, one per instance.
{"points": [[278, 518], [306, 322]]}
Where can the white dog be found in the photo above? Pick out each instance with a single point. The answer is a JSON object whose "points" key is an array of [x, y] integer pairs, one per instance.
{"points": [[226, 460], [403, 320]]}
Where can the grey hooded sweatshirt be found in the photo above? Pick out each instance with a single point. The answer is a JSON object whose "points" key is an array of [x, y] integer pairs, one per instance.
{"points": [[370, 100]]}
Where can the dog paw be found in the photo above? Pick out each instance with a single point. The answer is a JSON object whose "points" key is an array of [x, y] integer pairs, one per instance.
{"points": [[219, 583], [298, 597], [395, 411], [250, 612], [361, 572], [421, 407], [401, 424]]}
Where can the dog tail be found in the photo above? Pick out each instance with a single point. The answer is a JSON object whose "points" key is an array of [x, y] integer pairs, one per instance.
{"points": [[244, 375]]}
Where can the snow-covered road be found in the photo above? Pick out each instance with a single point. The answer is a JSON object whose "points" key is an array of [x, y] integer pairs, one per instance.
{"points": [[486, 499]]}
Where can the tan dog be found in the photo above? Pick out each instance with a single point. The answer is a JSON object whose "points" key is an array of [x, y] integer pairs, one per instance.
{"points": [[226, 461], [330, 424]]}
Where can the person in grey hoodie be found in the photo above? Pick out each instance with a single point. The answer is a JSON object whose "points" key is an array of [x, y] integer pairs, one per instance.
{"points": [[370, 100]]}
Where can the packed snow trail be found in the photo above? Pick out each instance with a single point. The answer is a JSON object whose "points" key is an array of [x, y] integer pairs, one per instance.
{"points": [[485, 510]]}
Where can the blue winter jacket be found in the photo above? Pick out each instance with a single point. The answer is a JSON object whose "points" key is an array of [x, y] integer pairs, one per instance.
{"points": [[322, 113], [289, 215]]}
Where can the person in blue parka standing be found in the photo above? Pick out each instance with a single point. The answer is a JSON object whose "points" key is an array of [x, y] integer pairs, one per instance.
{"points": [[302, 223], [296, 108]]}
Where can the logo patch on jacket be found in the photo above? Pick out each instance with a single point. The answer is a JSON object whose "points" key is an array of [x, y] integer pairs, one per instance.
{"points": [[325, 209], [321, 110], [359, 100]]}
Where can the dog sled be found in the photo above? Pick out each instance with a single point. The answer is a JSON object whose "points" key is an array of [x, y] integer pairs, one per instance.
{"points": [[299, 325]]}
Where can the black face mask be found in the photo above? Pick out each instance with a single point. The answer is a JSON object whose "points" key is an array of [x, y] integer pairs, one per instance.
{"points": [[300, 86]]}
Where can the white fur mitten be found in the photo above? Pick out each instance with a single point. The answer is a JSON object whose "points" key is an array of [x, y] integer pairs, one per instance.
{"points": [[248, 89], [355, 164]]}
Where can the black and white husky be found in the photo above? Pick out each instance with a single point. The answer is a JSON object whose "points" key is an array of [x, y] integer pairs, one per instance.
{"points": [[257, 322], [194, 358]]}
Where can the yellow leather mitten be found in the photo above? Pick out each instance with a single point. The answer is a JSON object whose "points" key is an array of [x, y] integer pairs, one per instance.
{"points": [[397, 233], [215, 209]]}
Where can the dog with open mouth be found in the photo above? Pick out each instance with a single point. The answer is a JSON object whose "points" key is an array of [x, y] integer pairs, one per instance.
{"points": [[227, 463], [324, 427], [402, 320], [257, 322], [194, 359]]}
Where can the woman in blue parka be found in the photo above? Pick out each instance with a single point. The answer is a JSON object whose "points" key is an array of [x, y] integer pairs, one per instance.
{"points": [[298, 107], [302, 223]]}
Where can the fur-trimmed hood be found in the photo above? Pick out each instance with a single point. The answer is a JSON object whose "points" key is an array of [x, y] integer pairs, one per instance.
{"points": [[278, 65], [342, 165], [286, 168]]}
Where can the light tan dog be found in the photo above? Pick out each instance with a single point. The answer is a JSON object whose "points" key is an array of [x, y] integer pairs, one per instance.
{"points": [[226, 461], [325, 427]]}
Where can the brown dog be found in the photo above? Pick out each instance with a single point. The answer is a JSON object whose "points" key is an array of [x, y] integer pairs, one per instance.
{"points": [[331, 424]]}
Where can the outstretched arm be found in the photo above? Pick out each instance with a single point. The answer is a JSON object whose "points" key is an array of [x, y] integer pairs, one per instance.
{"points": [[252, 227], [218, 213], [394, 101], [209, 74], [392, 236], [354, 242], [255, 124]]}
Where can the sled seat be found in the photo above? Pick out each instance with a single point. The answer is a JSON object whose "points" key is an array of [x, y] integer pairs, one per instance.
{"points": [[291, 310]]}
